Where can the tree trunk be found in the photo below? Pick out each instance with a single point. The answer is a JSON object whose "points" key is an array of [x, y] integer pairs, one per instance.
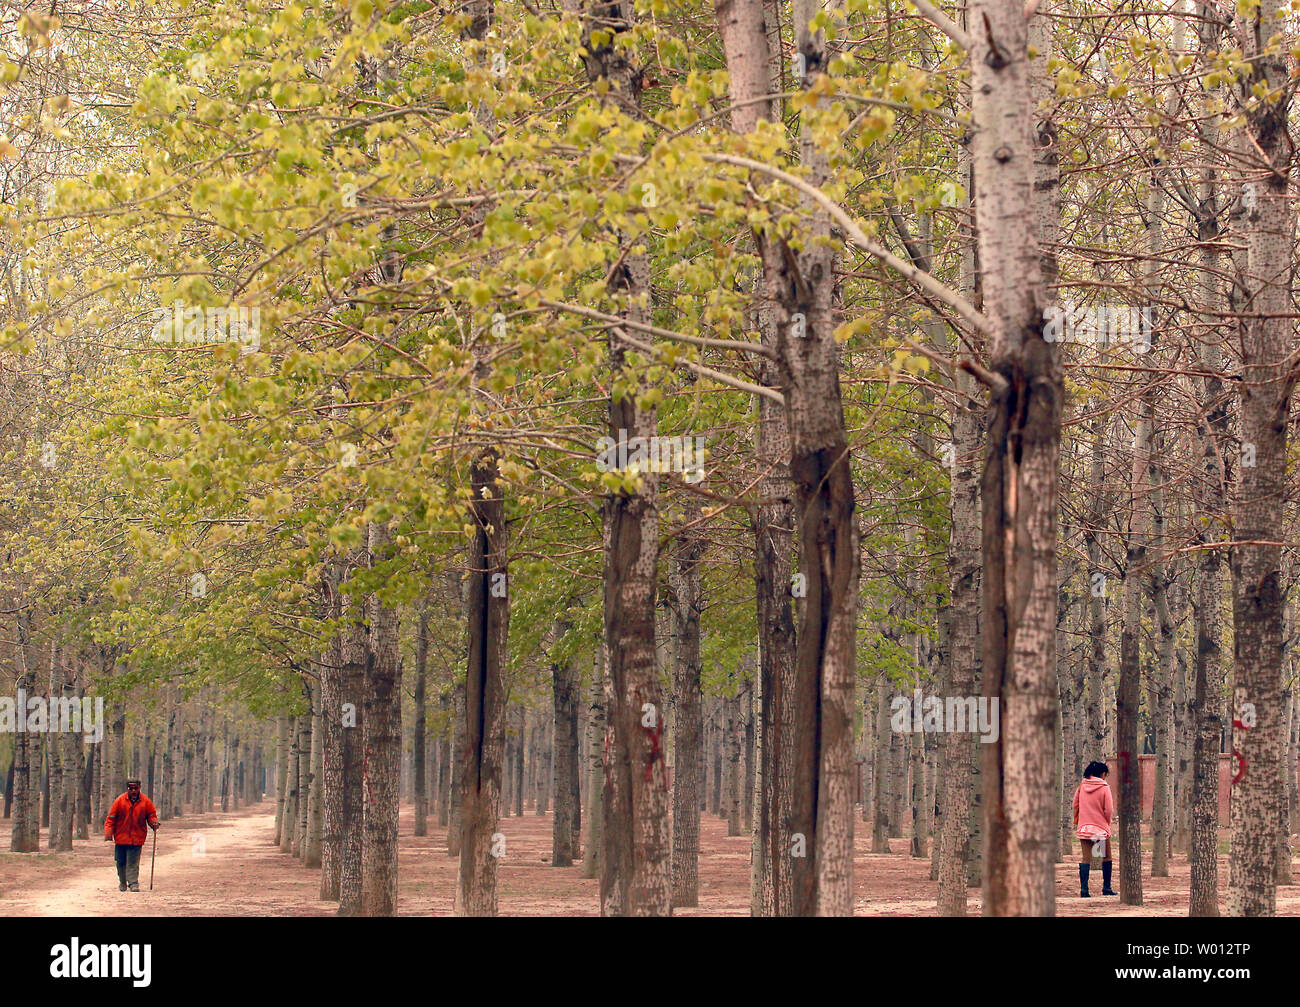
{"points": [[1267, 377], [1128, 688], [747, 752], [291, 782], [1161, 690], [485, 696], [595, 771], [176, 744], [353, 652], [759, 871], [919, 836], [62, 784], [635, 866], [1204, 718], [311, 852], [1019, 483], [961, 750], [445, 761], [1183, 731], [542, 752], [1284, 874], [880, 773], [521, 739], [304, 775], [744, 26], [457, 768], [566, 828], [281, 757], [419, 756], [896, 777], [714, 746], [731, 719], [801, 283], [383, 746], [333, 733]]}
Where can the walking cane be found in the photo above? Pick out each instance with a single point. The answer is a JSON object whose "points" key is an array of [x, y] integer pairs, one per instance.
{"points": [[152, 857]]}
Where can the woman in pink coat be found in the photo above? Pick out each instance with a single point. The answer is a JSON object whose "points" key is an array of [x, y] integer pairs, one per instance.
{"points": [[1093, 810]]}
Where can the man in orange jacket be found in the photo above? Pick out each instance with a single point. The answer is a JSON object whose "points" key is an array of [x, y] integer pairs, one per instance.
{"points": [[125, 825]]}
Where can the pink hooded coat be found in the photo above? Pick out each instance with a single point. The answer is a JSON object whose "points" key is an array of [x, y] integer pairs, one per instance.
{"points": [[1093, 804]]}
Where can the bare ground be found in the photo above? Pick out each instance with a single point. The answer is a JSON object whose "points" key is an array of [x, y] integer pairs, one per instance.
{"points": [[225, 865]]}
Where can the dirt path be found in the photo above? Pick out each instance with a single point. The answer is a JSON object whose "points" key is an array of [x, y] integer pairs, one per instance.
{"points": [[225, 865], [208, 865]]}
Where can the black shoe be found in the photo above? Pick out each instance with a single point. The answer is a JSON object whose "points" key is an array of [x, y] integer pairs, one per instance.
{"points": [[121, 886], [1106, 865], [1083, 881]]}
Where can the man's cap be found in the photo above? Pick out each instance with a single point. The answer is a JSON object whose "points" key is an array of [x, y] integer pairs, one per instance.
{"points": [[131, 781]]}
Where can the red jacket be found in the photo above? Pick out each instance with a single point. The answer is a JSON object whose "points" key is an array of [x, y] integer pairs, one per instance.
{"points": [[1093, 804], [125, 823]]}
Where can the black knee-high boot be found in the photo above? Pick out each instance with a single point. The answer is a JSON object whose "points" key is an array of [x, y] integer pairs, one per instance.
{"points": [[1106, 865], [1083, 881]]}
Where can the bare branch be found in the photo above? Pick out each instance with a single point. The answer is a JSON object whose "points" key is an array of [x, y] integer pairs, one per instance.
{"points": [[678, 337], [943, 22], [705, 372], [858, 237]]}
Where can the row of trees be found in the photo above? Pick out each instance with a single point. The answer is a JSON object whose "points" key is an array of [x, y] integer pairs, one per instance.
{"points": [[64, 780]]}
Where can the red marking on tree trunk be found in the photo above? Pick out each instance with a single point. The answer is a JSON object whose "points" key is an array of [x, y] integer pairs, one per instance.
{"points": [[656, 752], [1241, 773]]}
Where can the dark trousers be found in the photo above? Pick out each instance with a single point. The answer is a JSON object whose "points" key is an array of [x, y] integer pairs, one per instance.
{"points": [[128, 863]]}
